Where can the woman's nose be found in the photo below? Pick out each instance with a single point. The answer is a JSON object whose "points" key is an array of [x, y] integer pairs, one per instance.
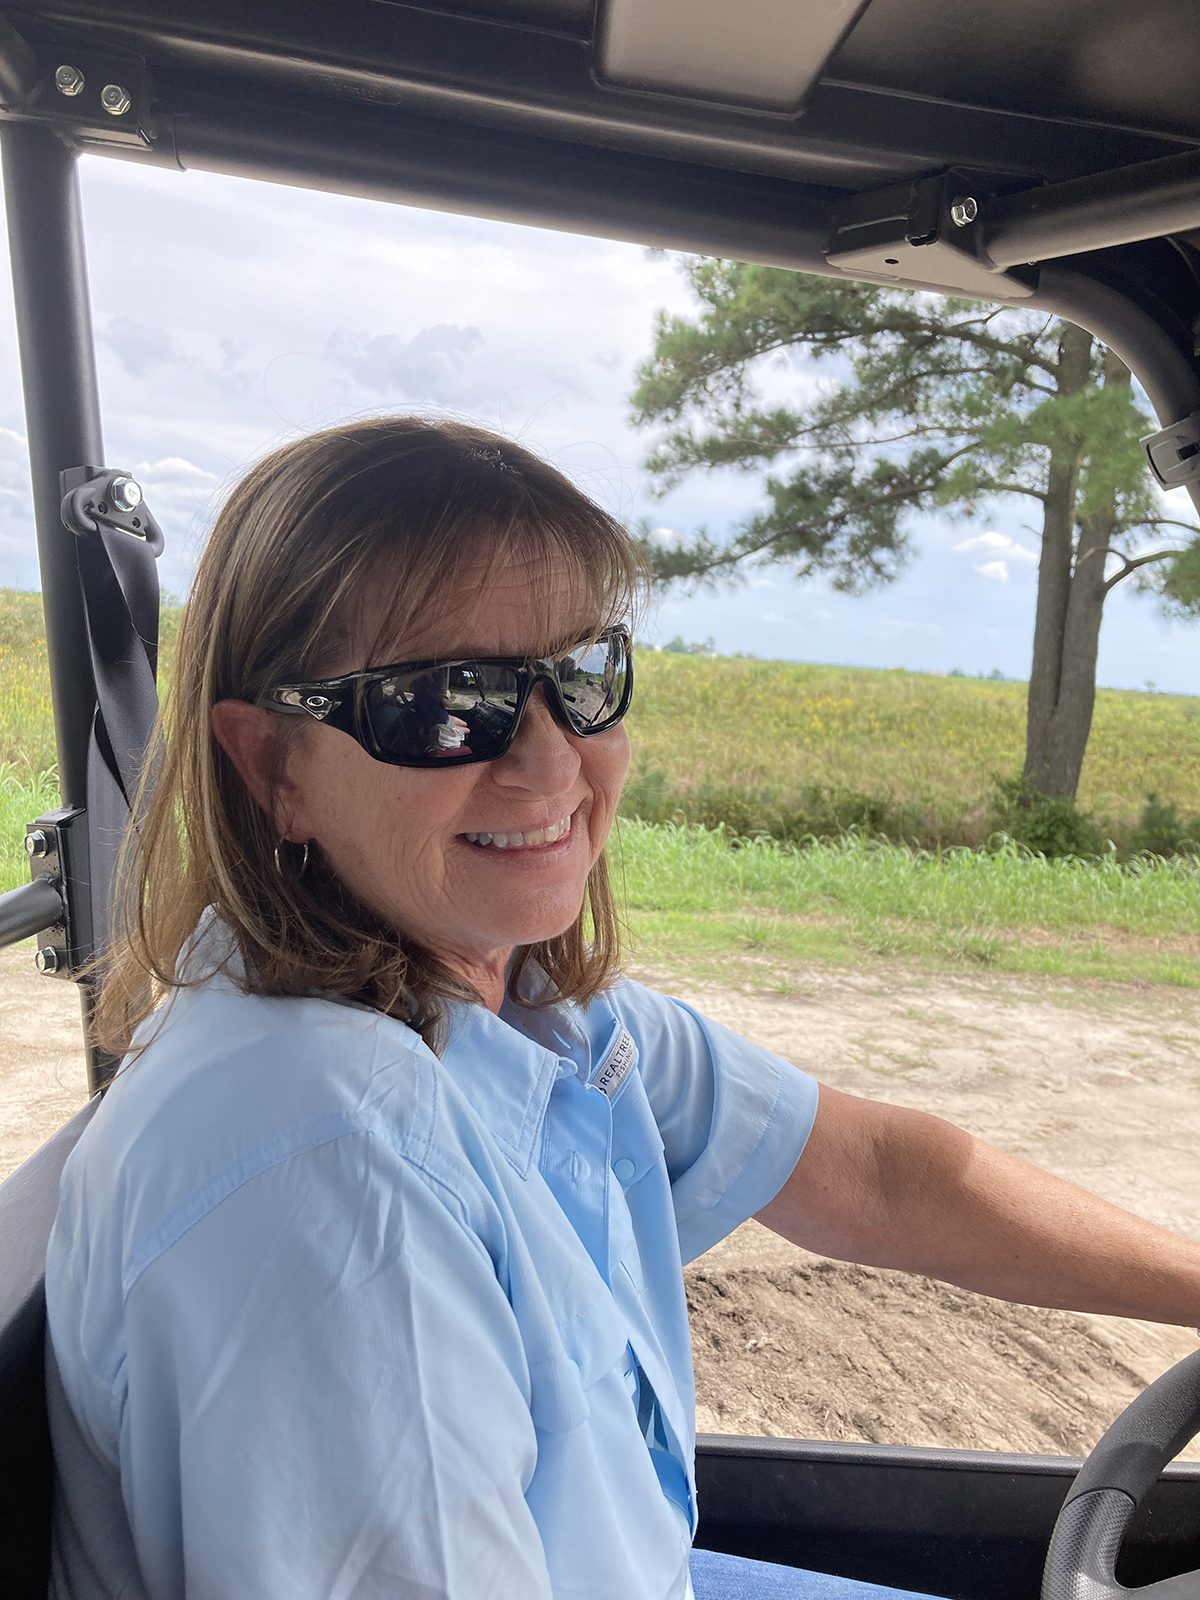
{"points": [[541, 756]]}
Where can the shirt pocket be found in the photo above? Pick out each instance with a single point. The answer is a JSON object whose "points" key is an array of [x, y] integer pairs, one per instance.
{"points": [[584, 1351]]}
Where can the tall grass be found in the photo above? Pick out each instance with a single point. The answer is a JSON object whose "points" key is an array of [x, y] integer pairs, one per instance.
{"points": [[696, 889], [24, 795], [1009, 888]]}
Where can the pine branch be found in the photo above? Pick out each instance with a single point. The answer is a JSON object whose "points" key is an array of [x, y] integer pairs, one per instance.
{"points": [[1167, 522], [1014, 488], [1132, 563], [936, 330]]}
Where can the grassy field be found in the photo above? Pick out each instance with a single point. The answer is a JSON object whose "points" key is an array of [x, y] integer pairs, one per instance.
{"points": [[711, 732], [910, 754]]}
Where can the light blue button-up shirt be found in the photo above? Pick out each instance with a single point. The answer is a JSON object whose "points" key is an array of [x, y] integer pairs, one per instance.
{"points": [[331, 1316]]}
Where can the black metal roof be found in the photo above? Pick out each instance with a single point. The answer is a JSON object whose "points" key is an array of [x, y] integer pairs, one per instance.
{"points": [[925, 142], [832, 95]]}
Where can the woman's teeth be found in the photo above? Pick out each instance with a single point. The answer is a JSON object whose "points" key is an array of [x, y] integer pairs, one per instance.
{"points": [[514, 841]]}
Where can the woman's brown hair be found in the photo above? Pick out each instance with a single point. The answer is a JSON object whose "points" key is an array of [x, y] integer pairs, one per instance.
{"points": [[310, 532]]}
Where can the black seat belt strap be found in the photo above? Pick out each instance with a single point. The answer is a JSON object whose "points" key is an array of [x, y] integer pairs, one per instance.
{"points": [[118, 543]]}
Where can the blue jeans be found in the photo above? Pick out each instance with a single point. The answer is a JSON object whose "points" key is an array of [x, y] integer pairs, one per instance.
{"points": [[721, 1577]]}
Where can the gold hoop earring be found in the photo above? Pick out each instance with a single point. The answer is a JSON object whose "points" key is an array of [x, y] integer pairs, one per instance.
{"points": [[303, 867]]}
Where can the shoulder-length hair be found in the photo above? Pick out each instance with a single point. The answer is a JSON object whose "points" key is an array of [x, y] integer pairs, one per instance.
{"points": [[312, 533]]}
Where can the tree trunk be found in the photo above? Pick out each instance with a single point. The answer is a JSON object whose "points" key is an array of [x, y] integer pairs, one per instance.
{"points": [[1054, 758], [1070, 602]]}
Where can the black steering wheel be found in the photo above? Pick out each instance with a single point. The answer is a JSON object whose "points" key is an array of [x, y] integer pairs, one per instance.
{"points": [[1113, 1480]]}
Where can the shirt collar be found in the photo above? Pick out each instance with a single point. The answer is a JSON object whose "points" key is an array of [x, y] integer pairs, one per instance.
{"points": [[506, 1077]]}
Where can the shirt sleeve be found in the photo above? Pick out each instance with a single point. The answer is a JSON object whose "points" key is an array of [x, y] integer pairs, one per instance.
{"points": [[734, 1117], [325, 1395]]}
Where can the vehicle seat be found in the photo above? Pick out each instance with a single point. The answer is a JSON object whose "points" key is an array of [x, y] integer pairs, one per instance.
{"points": [[28, 1202]]}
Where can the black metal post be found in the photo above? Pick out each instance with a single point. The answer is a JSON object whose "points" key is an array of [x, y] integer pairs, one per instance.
{"points": [[62, 406], [62, 420]]}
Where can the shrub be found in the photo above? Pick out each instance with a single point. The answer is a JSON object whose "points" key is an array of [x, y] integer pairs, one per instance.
{"points": [[1048, 825], [1161, 831]]}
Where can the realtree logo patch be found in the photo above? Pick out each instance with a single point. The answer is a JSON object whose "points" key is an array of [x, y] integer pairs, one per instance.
{"points": [[616, 1065]]}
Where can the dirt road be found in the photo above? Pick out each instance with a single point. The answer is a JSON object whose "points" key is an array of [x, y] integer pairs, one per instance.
{"points": [[1100, 1083]]}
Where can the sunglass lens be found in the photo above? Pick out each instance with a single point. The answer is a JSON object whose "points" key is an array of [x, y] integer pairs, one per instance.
{"points": [[447, 714], [592, 681]]}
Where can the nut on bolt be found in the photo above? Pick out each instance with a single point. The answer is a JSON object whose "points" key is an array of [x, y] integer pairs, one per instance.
{"points": [[963, 211], [46, 959], [68, 80], [125, 494], [115, 99], [36, 843]]}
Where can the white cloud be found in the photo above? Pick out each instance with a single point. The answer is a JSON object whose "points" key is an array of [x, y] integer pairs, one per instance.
{"points": [[996, 570], [665, 538], [909, 625], [174, 467], [1001, 544]]}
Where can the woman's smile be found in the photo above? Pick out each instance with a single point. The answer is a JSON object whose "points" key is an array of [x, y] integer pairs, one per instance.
{"points": [[516, 841]]}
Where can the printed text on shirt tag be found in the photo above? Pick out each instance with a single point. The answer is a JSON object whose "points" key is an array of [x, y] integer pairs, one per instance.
{"points": [[617, 1064]]}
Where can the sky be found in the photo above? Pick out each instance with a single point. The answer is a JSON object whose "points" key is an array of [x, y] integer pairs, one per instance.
{"points": [[233, 315]]}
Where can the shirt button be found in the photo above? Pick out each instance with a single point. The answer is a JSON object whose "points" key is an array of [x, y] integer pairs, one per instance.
{"points": [[624, 1169]]}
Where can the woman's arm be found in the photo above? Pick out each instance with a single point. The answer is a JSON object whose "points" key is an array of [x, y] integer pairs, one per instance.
{"points": [[897, 1188]]}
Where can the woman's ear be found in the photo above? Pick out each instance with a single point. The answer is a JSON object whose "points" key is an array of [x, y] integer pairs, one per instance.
{"points": [[249, 736]]}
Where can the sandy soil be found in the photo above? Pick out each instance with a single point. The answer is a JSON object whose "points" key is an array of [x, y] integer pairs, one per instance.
{"points": [[1100, 1083]]}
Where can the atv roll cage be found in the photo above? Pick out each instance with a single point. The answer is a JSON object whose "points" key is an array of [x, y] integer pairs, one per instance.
{"points": [[1040, 155]]}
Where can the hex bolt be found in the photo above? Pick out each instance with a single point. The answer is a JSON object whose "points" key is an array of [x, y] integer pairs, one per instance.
{"points": [[125, 494], [68, 80], [115, 99], [963, 211], [36, 843], [46, 960]]}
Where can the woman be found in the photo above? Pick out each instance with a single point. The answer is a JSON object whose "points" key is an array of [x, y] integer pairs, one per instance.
{"points": [[366, 1279]]}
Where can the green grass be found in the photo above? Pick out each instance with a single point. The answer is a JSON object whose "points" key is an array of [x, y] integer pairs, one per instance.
{"points": [[24, 795], [694, 893]]}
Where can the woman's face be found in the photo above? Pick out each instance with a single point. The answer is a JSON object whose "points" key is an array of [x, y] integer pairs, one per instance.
{"points": [[398, 836]]}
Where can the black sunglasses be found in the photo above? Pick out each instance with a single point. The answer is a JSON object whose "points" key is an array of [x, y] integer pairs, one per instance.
{"points": [[450, 713]]}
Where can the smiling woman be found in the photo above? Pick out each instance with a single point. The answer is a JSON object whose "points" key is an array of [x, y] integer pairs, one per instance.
{"points": [[366, 1276], [362, 545], [377, 832]]}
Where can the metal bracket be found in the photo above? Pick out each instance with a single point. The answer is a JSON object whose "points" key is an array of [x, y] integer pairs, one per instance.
{"points": [[927, 232], [56, 845], [1174, 453], [93, 93], [105, 495]]}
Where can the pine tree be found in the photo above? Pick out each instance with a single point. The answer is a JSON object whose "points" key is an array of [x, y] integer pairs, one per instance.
{"points": [[930, 404]]}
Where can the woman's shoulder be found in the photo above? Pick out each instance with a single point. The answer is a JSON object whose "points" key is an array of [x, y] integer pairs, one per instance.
{"points": [[650, 1014], [223, 1085], [213, 1049]]}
